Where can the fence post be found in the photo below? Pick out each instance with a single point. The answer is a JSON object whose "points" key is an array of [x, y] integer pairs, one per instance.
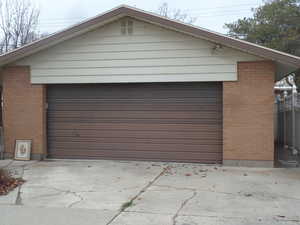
{"points": [[285, 144], [294, 150]]}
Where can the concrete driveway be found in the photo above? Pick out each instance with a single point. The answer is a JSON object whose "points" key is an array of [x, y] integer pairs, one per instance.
{"points": [[93, 192]]}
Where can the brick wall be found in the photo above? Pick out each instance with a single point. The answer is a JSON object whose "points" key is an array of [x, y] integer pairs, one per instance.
{"points": [[247, 112], [23, 111], [248, 106]]}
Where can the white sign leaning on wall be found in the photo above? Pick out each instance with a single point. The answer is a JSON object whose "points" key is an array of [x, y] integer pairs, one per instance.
{"points": [[22, 149]]}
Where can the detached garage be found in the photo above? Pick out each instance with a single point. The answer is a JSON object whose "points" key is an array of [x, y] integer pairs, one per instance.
{"points": [[131, 85]]}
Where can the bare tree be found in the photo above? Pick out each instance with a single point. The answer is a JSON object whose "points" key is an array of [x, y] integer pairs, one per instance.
{"points": [[176, 14], [18, 24]]}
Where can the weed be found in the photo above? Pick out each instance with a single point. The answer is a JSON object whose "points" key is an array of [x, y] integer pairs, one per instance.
{"points": [[126, 205], [8, 182]]}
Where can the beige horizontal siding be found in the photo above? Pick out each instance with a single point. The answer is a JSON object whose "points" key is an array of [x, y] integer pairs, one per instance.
{"points": [[133, 55], [134, 78], [137, 62], [150, 54]]}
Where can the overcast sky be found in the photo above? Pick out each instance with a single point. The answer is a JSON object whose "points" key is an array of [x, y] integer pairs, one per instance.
{"points": [[211, 14]]}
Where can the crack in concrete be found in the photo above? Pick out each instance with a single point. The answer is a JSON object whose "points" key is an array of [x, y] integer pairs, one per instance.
{"points": [[18, 200], [19, 197], [147, 212], [192, 189], [288, 220], [60, 192], [212, 216], [144, 189], [7, 165], [194, 193], [75, 202], [176, 188]]}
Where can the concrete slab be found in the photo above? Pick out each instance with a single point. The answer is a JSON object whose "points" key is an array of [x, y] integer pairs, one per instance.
{"points": [[19, 215], [161, 200], [185, 194], [222, 179], [47, 196], [88, 184], [196, 220], [10, 198], [208, 203], [106, 199], [5, 163], [130, 218]]}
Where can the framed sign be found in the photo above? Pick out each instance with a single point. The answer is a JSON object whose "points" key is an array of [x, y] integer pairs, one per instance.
{"points": [[22, 149]]}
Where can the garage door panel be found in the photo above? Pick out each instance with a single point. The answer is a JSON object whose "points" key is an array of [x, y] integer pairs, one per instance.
{"points": [[197, 141], [134, 134], [139, 97], [136, 114], [142, 155], [143, 92], [141, 120], [134, 100], [128, 106], [163, 121], [134, 126], [71, 146]]}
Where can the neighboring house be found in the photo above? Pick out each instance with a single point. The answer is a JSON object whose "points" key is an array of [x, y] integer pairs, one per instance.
{"points": [[133, 85]]}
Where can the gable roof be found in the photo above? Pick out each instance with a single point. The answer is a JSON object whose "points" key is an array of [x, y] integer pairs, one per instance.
{"points": [[124, 10]]}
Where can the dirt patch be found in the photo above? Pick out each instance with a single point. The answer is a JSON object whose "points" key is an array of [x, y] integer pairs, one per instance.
{"points": [[8, 182]]}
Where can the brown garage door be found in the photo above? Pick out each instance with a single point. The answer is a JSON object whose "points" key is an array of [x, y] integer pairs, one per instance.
{"points": [[159, 122]]}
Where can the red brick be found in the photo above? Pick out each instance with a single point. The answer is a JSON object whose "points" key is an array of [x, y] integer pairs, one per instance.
{"points": [[248, 110], [24, 115]]}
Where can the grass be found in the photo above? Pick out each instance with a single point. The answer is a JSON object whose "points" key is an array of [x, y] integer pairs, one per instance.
{"points": [[126, 205]]}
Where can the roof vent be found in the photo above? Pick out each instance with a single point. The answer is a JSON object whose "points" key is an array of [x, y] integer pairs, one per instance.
{"points": [[126, 27]]}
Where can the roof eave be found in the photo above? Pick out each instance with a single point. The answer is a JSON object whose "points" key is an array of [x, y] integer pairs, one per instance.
{"points": [[61, 36], [217, 38]]}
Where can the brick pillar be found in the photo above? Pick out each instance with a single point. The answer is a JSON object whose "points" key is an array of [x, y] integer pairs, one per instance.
{"points": [[248, 110], [24, 115]]}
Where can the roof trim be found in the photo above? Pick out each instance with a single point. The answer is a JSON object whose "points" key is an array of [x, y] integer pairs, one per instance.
{"points": [[125, 10]]}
